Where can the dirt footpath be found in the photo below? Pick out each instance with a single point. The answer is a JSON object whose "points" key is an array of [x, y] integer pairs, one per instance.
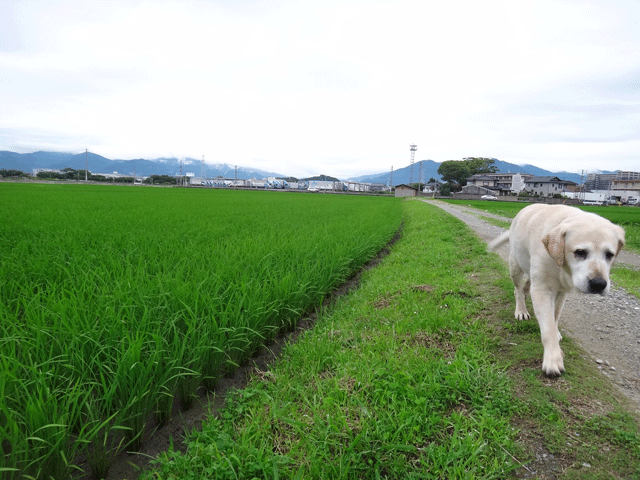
{"points": [[607, 328]]}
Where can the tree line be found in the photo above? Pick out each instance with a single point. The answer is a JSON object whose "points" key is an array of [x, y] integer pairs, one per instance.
{"points": [[454, 174], [73, 174]]}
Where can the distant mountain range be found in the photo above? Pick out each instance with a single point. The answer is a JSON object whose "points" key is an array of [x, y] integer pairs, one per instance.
{"points": [[26, 162], [430, 170], [97, 164]]}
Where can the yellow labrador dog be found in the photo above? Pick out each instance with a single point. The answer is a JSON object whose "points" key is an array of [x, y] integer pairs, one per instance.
{"points": [[555, 249]]}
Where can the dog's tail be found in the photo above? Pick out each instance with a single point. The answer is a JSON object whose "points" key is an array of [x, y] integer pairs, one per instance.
{"points": [[496, 242]]}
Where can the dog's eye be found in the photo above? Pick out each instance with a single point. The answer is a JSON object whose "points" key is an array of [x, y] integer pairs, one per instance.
{"points": [[609, 256], [580, 254]]}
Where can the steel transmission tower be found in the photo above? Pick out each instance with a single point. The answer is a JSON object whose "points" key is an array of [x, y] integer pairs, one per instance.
{"points": [[413, 157]]}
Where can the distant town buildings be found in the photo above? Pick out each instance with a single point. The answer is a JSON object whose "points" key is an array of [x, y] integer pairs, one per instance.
{"points": [[496, 183], [618, 187], [603, 181], [282, 184], [625, 184]]}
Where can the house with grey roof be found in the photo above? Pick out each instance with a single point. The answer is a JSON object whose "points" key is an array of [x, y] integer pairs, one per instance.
{"points": [[545, 186], [496, 183]]}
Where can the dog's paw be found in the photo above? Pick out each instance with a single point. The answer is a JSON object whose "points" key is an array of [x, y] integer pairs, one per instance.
{"points": [[553, 364], [522, 314]]}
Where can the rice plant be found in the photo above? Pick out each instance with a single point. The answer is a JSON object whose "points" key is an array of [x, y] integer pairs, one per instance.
{"points": [[113, 301]]}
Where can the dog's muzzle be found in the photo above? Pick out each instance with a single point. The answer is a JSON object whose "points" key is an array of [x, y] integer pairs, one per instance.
{"points": [[597, 285]]}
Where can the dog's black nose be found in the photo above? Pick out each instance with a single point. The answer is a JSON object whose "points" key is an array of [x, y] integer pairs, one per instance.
{"points": [[597, 285]]}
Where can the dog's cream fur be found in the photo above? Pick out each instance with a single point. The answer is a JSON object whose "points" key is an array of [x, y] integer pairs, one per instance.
{"points": [[555, 249]]}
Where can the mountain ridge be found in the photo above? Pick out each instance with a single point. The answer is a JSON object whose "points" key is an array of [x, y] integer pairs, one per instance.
{"points": [[430, 170], [423, 170], [98, 164]]}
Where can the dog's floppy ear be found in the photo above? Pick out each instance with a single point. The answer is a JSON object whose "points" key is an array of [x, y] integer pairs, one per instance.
{"points": [[554, 243], [620, 238]]}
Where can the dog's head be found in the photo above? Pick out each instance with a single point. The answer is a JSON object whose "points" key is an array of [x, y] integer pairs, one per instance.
{"points": [[586, 248]]}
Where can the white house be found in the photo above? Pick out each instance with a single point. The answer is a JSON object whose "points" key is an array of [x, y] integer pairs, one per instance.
{"points": [[545, 186], [496, 183]]}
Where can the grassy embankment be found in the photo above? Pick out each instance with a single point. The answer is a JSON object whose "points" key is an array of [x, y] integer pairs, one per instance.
{"points": [[627, 217], [420, 373]]}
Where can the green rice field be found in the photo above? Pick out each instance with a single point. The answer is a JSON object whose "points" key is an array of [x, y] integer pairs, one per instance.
{"points": [[118, 302]]}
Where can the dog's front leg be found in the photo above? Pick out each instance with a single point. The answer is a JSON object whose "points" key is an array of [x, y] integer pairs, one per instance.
{"points": [[560, 299], [544, 306]]}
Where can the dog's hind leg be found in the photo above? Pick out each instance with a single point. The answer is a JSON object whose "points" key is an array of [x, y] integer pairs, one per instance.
{"points": [[522, 284]]}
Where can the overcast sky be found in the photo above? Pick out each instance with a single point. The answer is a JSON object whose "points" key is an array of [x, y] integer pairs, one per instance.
{"points": [[336, 87]]}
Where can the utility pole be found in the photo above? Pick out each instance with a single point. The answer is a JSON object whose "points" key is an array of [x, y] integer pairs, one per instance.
{"points": [[86, 164], [419, 177], [391, 179], [413, 149]]}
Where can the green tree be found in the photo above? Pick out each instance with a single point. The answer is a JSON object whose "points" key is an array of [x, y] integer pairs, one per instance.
{"points": [[161, 180], [12, 173], [459, 170], [70, 173], [454, 171], [123, 180], [481, 165]]}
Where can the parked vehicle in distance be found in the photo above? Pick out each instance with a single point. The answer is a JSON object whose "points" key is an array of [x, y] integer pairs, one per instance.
{"points": [[632, 201], [488, 197]]}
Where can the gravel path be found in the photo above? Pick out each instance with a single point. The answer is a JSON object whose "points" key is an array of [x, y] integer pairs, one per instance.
{"points": [[607, 328]]}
